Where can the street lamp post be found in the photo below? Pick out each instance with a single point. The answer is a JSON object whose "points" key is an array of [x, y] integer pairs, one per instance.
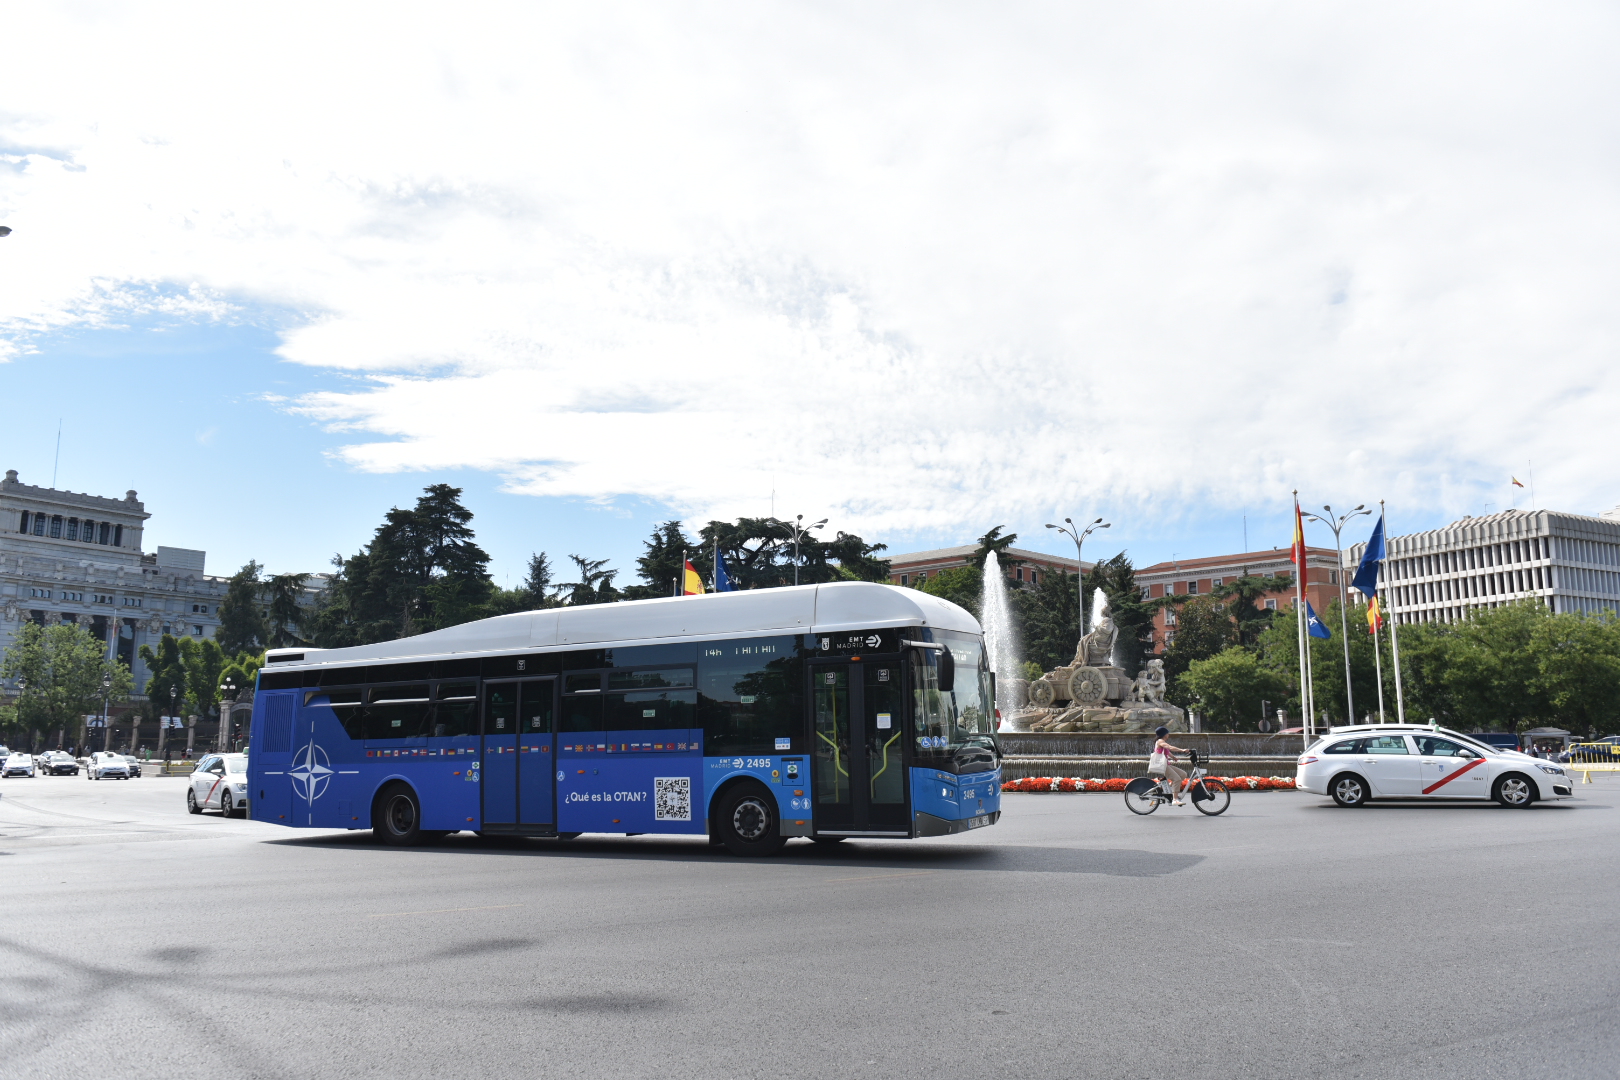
{"points": [[799, 530], [106, 694], [1073, 533], [1337, 525], [227, 697]]}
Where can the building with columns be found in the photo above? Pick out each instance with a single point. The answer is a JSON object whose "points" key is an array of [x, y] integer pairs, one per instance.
{"points": [[1570, 562], [67, 557]]}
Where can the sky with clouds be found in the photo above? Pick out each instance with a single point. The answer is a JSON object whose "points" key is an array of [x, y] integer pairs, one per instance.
{"points": [[916, 268]]}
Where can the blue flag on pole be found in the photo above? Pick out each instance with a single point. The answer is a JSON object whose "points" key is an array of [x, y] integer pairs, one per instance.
{"points": [[1366, 579], [1313, 624], [722, 580]]}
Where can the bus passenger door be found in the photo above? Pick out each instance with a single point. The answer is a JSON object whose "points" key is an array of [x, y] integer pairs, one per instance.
{"points": [[857, 768], [536, 756], [498, 757]]}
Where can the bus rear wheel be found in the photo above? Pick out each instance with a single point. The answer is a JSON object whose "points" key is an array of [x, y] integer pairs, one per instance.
{"points": [[748, 823], [397, 817]]}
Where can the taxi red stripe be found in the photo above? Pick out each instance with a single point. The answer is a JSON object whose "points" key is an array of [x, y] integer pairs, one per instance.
{"points": [[1443, 781]]}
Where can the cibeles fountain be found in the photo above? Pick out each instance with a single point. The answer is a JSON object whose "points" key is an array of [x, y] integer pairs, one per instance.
{"points": [[1093, 692]]}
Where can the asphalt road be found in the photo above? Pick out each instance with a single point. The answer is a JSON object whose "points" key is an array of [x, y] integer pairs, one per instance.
{"points": [[1286, 938]]}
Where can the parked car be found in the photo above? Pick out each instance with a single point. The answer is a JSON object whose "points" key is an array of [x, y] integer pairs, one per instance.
{"points": [[18, 765], [133, 762], [56, 763], [105, 766], [219, 781]]}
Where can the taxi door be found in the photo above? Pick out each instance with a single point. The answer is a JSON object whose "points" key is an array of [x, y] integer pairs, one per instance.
{"points": [[1451, 770], [1390, 765]]}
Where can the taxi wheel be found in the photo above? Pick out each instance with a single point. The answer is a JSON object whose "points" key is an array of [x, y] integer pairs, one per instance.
{"points": [[747, 821], [1514, 791], [191, 802], [1348, 789], [225, 807], [397, 817]]}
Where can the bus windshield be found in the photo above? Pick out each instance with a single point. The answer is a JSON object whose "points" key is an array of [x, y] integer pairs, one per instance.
{"points": [[954, 730]]}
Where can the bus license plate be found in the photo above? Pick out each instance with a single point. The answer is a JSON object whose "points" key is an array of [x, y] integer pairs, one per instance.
{"points": [[978, 822]]}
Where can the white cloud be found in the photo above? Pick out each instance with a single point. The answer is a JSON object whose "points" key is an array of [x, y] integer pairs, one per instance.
{"points": [[908, 265]]}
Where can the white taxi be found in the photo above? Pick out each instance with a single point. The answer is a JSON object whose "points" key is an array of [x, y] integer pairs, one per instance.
{"points": [[1414, 761], [219, 781]]}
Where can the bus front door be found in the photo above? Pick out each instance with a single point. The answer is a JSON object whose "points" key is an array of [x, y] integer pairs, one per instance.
{"points": [[858, 744], [519, 756]]}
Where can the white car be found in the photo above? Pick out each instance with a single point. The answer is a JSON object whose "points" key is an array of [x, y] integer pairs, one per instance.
{"points": [[104, 765], [219, 782], [1412, 761], [18, 765]]}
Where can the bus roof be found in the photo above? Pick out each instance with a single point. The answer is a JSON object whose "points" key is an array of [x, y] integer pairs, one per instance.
{"points": [[843, 605]]}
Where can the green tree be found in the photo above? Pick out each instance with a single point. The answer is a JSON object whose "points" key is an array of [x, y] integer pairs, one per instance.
{"points": [[994, 541], [961, 585], [204, 663], [595, 584], [283, 591], [241, 623], [1245, 599], [1049, 620], [1204, 629], [63, 667], [759, 555], [166, 687], [661, 564], [1229, 687], [1495, 670], [1578, 663], [421, 571]]}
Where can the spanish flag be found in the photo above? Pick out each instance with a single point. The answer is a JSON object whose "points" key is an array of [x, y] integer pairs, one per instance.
{"points": [[1375, 617], [1298, 553], [1515, 480], [691, 584]]}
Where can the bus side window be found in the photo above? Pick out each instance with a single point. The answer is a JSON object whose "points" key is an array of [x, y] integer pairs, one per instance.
{"points": [[398, 712], [750, 695], [455, 709], [581, 713]]}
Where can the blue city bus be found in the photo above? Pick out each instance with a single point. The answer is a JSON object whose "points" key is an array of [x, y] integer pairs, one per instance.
{"points": [[818, 711]]}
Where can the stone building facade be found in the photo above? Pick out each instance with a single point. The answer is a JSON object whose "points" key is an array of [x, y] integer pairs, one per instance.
{"points": [[1570, 562], [1198, 577], [68, 557]]}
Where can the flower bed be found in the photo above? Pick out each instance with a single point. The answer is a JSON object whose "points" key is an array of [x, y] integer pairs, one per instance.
{"points": [[1036, 784]]}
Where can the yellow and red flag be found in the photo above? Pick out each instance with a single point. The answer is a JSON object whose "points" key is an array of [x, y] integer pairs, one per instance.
{"points": [[1298, 553], [1375, 617], [1515, 480], [691, 583]]}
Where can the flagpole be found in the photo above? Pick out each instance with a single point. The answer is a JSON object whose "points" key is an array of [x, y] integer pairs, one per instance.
{"points": [[1378, 660], [1310, 674], [1299, 618], [1394, 633]]}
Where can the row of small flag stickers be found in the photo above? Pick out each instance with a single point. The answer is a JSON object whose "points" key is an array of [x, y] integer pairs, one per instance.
{"points": [[629, 747], [519, 750], [423, 752]]}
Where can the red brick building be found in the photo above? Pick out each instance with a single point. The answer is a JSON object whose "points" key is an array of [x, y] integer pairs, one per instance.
{"points": [[1199, 577], [915, 566]]}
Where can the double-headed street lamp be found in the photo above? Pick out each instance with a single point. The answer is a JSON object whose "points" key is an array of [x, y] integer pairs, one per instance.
{"points": [[106, 695], [1337, 525], [1074, 533], [799, 530], [227, 695]]}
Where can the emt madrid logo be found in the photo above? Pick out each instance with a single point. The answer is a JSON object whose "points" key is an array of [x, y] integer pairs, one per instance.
{"points": [[311, 772]]}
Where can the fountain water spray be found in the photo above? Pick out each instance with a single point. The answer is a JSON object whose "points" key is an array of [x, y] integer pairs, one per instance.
{"points": [[1000, 640]]}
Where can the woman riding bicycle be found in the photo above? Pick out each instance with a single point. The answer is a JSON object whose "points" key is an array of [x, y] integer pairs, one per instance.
{"points": [[1173, 776]]}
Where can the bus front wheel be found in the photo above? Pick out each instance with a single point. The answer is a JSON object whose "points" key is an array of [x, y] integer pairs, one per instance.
{"points": [[748, 822], [397, 817]]}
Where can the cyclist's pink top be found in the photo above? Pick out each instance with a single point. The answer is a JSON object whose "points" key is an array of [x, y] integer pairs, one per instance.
{"points": [[1165, 748]]}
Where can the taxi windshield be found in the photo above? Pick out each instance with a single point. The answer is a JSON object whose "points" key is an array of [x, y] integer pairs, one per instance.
{"points": [[235, 763]]}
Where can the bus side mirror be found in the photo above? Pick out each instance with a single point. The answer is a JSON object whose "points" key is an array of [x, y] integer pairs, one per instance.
{"points": [[947, 671]]}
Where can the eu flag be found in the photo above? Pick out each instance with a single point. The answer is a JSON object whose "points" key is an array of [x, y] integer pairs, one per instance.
{"points": [[722, 580], [1313, 624], [1366, 578]]}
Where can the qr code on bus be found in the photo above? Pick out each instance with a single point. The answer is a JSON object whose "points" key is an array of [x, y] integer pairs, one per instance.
{"points": [[672, 798]]}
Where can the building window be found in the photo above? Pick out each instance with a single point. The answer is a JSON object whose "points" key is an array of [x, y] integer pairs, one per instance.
{"points": [[165, 629], [24, 526], [89, 533], [56, 527], [1169, 637], [1218, 582], [1192, 588], [132, 601], [79, 596], [42, 594], [118, 536], [904, 579], [1271, 605], [106, 530], [39, 524], [1333, 577], [103, 598], [1033, 575], [196, 631], [1169, 618], [72, 529], [202, 609], [1147, 591]]}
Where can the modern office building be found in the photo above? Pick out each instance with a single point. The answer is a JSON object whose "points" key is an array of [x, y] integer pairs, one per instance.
{"points": [[1021, 565], [1570, 562], [1200, 576]]}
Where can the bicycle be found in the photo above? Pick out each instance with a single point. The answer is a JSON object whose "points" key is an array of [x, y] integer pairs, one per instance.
{"points": [[1146, 794]]}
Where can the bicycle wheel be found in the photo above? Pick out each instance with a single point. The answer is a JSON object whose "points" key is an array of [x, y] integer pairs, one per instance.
{"points": [[1216, 798], [1139, 795]]}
